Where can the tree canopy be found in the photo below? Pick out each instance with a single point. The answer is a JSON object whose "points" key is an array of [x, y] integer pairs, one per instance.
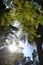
{"points": [[26, 12], [29, 15]]}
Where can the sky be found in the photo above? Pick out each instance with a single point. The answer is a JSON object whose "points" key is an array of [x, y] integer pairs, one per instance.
{"points": [[27, 48]]}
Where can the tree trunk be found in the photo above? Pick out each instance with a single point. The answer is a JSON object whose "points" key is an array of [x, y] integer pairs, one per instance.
{"points": [[40, 51]]}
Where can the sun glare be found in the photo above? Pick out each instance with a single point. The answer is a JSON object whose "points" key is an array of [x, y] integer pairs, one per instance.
{"points": [[12, 48], [15, 47]]}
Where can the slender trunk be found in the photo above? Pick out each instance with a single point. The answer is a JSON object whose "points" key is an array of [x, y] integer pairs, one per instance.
{"points": [[40, 51]]}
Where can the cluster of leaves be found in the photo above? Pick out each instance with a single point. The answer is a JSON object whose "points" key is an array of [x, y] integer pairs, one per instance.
{"points": [[29, 16], [6, 13], [39, 1], [26, 12], [6, 17], [27, 60], [10, 59], [18, 58]]}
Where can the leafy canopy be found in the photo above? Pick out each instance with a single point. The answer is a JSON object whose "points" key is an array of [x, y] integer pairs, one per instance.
{"points": [[26, 12], [29, 15]]}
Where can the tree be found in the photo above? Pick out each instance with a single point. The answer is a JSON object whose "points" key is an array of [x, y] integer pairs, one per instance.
{"points": [[39, 42], [11, 58], [28, 61], [28, 18], [6, 18], [40, 2], [17, 58], [2, 61], [29, 15], [34, 57], [16, 62]]}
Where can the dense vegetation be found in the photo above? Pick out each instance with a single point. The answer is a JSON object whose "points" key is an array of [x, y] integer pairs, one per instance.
{"points": [[30, 14]]}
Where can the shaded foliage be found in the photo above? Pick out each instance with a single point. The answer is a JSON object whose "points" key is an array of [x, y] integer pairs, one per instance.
{"points": [[28, 61], [27, 13], [11, 58]]}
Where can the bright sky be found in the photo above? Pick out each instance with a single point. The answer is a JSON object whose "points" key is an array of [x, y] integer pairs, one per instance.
{"points": [[27, 48]]}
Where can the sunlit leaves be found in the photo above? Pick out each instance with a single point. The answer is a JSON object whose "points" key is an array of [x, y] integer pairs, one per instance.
{"points": [[26, 13], [29, 16], [7, 17]]}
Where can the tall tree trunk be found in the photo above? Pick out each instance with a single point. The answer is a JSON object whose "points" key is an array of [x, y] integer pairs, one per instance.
{"points": [[39, 42], [40, 51]]}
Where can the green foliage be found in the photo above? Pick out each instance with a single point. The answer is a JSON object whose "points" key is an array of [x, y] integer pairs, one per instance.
{"points": [[35, 57], [6, 14], [16, 62], [6, 18], [39, 1], [10, 59], [26, 13], [18, 55], [29, 16], [1, 61], [28, 61]]}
